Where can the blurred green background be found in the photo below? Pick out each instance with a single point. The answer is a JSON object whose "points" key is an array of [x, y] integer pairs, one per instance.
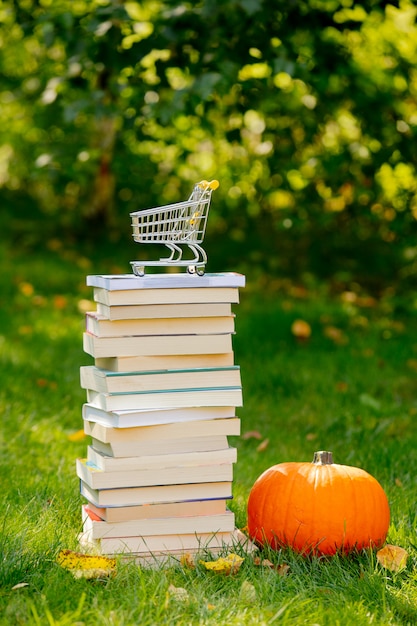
{"points": [[304, 110]]}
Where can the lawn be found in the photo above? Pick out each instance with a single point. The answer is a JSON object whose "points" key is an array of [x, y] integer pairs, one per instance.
{"points": [[349, 388]]}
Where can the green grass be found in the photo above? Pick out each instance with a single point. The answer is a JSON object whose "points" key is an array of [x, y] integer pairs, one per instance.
{"points": [[353, 393]]}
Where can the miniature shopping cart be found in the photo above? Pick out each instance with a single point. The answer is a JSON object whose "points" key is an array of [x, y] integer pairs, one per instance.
{"points": [[176, 225]]}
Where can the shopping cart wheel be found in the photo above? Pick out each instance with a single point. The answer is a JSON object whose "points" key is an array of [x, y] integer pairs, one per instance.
{"points": [[139, 270], [194, 269]]}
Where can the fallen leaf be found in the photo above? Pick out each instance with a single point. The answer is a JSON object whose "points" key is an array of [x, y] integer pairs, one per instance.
{"points": [[301, 330], [283, 569], [263, 445], [20, 586], [86, 565], [187, 561], [392, 557], [178, 593], [263, 562], [224, 565], [342, 386], [26, 289], [60, 302], [369, 401], [349, 297], [252, 434], [247, 592], [366, 302], [311, 436], [412, 364], [85, 305], [336, 335], [78, 435]]}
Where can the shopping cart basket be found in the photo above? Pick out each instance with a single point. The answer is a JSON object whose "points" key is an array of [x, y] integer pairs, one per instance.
{"points": [[176, 225]]}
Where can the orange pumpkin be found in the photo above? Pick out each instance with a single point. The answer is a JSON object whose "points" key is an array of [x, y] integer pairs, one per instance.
{"points": [[318, 507]]}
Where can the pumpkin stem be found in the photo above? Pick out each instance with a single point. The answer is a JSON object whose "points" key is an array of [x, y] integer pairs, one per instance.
{"points": [[323, 458]]}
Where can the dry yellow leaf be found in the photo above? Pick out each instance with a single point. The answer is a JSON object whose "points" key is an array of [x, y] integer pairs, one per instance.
{"points": [[78, 435], [301, 330], [224, 565], [393, 558], [178, 593], [187, 560], [86, 565], [247, 592], [263, 445], [252, 434]]}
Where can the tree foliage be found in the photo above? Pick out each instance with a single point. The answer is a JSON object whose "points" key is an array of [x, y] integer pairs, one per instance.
{"points": [[304, 110]]}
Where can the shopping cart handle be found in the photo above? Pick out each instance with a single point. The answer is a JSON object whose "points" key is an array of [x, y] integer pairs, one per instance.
{"points": [[213, 184]]}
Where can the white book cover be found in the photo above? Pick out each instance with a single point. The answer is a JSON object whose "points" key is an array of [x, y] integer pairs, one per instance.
{"points": [[157, 461], [166, 311], [156, 345], [152, 417], [168, 509], [163, 361], [149, 544], [130, 496], [102, 327], [222, 522], [229, 426], [162, 446], [107, 381], [96, 478], [220, 396], [124, 282]]}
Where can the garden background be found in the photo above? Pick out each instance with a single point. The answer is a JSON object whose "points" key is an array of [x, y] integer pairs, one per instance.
{"points": [[306, 113]]}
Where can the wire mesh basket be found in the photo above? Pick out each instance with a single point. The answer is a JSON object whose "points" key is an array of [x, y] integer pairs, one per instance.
{"points": [[176, 225]]}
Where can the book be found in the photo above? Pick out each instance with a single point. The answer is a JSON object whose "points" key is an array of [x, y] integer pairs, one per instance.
{"points": [[157, 311], [149, 544], [107, 381], [168, 509], [98, 529], [197, 295], [182, 474], [164, 558], [163, 446], [163, 432], [121, 282], [128, 496], [216, 396], [153, 345], [148, 462], [168, 361], [102, 327], [149, 417]]}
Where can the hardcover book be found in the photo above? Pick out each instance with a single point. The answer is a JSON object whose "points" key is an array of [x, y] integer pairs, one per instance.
{"points": [[108, 463], [198, 295], [167, 509], [163, 432], [102, 327], [128, 496], [98, 529], [153, 417], [96, 478], [154, 345], [158, 311], [107, 381], [164, 361], [216, 396], [119, 282]]}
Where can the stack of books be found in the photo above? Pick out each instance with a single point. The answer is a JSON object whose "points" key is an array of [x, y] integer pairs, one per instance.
{"points": [[161, 404]]}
